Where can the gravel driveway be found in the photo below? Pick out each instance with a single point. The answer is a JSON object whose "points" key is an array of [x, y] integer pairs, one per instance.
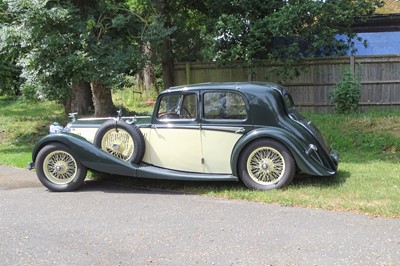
{"points": [[109, 224]]}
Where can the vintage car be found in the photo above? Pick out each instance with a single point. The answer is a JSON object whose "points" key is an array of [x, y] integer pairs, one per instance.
{"points": [[214, 131]]}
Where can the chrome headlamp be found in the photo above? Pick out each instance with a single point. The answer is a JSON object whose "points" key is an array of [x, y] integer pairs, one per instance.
{"points": [[57, 128]]}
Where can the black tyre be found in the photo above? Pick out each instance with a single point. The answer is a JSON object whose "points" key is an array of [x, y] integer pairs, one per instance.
{"points": [[58, 169], [266, 164], [121, 140]]}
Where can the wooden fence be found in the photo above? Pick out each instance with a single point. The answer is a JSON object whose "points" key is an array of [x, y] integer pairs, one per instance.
{"points": [[380, 79]]}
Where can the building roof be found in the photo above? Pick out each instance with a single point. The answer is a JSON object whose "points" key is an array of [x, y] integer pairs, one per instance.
{"points": [[378, 23]]}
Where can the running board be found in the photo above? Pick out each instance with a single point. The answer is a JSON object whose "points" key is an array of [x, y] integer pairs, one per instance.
{"points": [[162, 173]]}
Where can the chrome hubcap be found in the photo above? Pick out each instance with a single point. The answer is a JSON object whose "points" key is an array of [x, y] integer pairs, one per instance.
{"points": [[59, 168], [115, 147], [264, 166]]}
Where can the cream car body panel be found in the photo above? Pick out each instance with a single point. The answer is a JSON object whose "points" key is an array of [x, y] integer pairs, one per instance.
{"points": [[175, 148], [217, 149], [146, 135], [87, 133]]}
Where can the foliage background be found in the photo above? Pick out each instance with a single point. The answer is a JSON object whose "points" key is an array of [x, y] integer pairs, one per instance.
{"points": [[50, 46]]}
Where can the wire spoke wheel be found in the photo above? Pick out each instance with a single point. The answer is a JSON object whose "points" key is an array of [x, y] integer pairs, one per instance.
{"points": [[60, 167], [119, 143], [266, 165]]}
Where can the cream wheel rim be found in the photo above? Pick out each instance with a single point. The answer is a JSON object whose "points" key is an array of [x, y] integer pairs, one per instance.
{"points": [[266, 166], [60, 167], [118, 143]]}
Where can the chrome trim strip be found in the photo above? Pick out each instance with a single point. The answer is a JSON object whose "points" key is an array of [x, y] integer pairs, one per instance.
{"points": [[163, 120], [111, 118], [223, 128], [175, 126], [75, 126], [237, 130]]}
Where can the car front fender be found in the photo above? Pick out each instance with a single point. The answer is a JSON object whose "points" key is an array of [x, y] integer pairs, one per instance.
{"points": [[305, 163], [88, 154]]}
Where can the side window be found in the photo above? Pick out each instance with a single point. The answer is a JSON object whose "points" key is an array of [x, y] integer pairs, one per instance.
{"points": [[178, 106], [224, 105]]}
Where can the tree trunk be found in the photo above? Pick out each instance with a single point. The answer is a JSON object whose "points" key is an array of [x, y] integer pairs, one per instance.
{"points": [[139, 80], [167, 63], [164, 9], [66, 103], [149, 76], [103, 104], [82, 101]]}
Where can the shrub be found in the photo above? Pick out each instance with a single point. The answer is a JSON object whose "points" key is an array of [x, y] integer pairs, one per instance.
{"points": [[346, 94]]}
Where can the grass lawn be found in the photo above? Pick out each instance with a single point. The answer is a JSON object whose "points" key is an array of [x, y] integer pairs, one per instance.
{"points": [[368, 180], [21, 125]]}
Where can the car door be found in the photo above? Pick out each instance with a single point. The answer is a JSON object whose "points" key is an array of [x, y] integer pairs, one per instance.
{"points": [[174, 139], [224, 120]]}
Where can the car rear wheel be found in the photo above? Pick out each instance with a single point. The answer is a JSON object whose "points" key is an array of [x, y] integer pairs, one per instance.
{"points": [[121, 140], [58, 169], [266, 164]]}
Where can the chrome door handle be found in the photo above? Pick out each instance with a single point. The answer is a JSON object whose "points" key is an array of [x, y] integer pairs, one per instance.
{"points": [[240, 131]]}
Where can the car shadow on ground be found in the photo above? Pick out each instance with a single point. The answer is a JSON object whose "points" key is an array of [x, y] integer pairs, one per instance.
{"points": [[117, 184], [122, 184]]}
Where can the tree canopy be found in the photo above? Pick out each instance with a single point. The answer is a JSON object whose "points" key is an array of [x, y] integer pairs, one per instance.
{"points": [[286, 30], [47, 46]]}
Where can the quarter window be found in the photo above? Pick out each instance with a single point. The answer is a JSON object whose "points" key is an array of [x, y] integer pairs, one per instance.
{"points": [[224, 105]]}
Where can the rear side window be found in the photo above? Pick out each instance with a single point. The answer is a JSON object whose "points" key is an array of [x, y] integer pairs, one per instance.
{"points": [[224, 105]]}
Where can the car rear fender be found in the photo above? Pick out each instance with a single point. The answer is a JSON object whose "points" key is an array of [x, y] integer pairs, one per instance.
{"points": [[305, 163], [88, 154]]}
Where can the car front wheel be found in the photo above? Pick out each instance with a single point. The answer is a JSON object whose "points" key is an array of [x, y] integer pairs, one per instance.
{"points": [[58, 169], [266, 164]]}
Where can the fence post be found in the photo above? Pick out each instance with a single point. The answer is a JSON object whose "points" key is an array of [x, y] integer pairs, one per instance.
{"points": [[352, 64], [187, 73]]}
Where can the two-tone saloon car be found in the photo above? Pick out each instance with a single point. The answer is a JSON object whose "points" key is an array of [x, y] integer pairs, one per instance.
{"points": [[214, 131]]}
